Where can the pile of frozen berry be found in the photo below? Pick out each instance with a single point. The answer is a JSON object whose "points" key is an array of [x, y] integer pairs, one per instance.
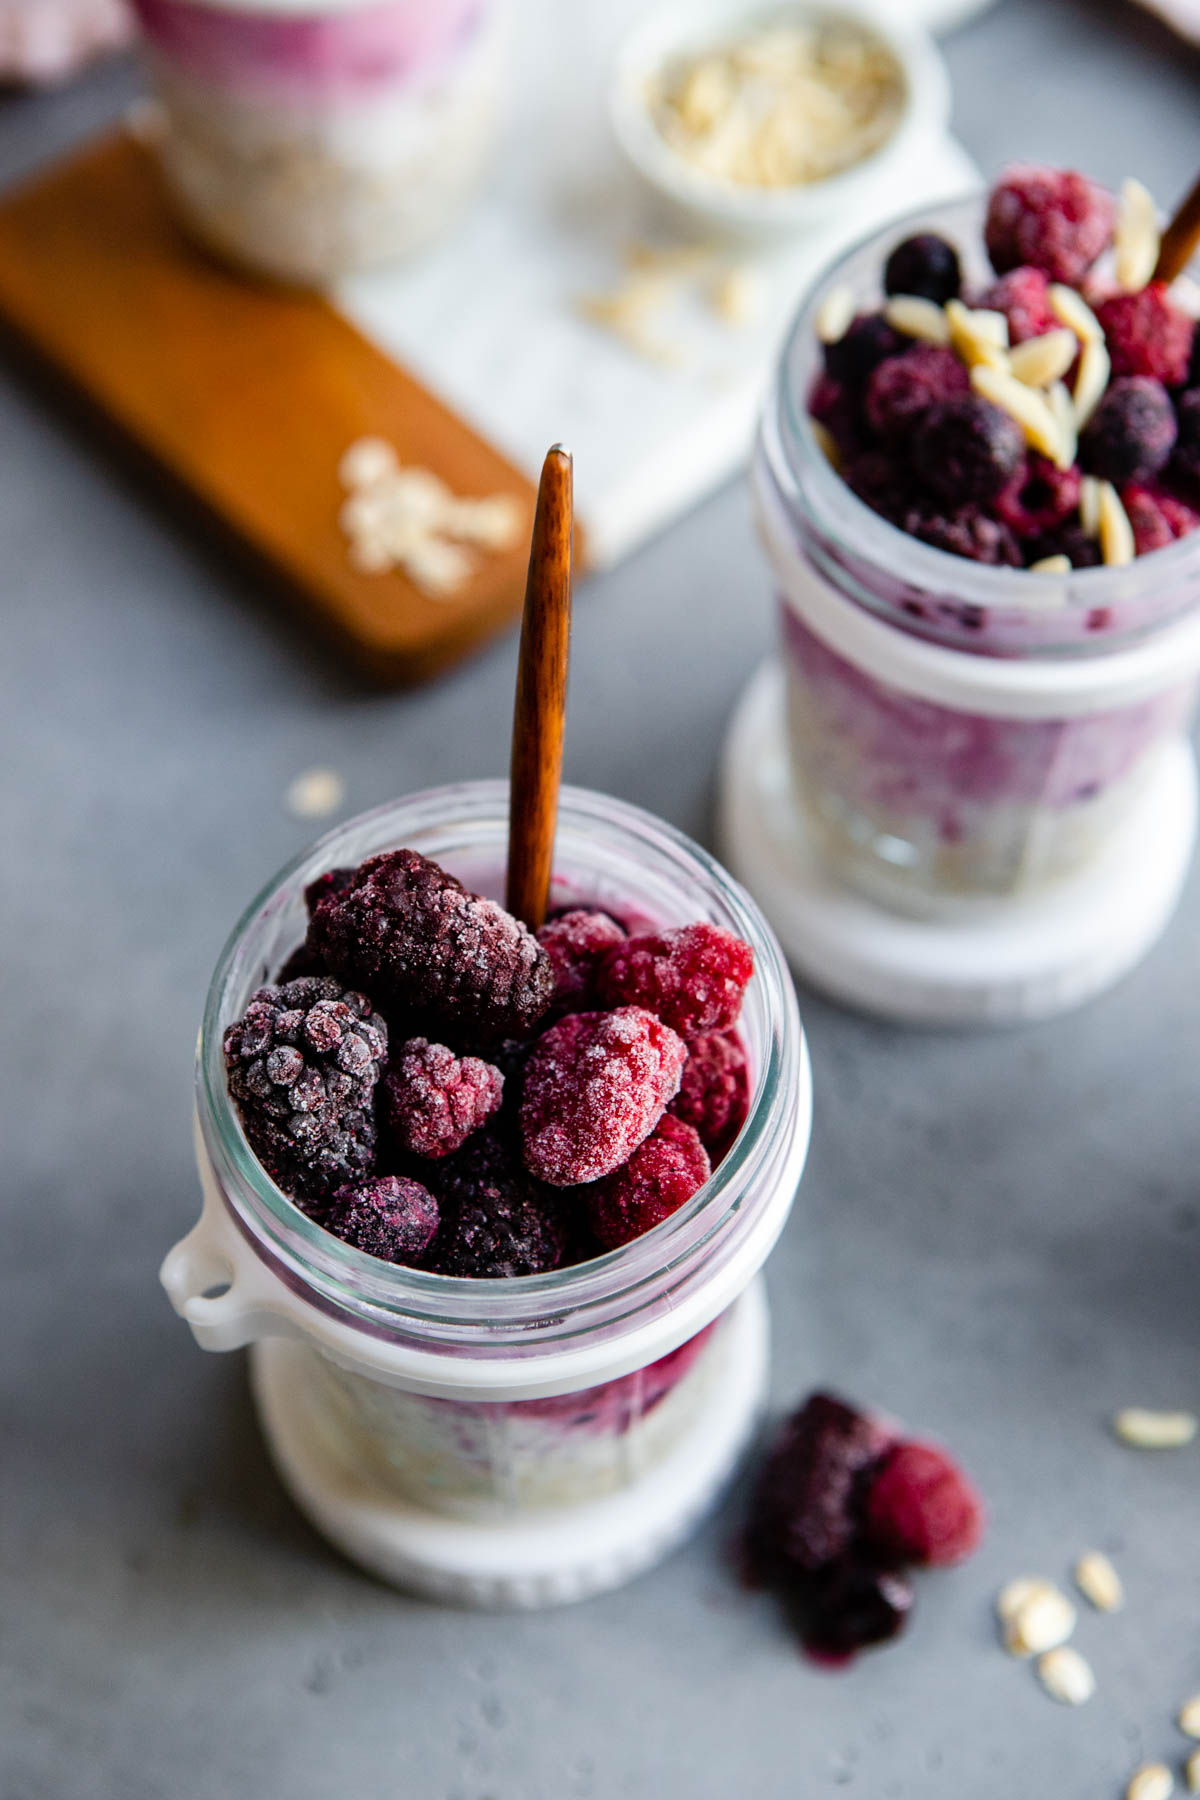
{"points": [[439, 1087], [843, 1507], [1049, 418]]}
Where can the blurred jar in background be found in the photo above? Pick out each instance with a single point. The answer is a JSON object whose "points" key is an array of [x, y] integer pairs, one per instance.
{"points": [[47, 41], [309, 139]]}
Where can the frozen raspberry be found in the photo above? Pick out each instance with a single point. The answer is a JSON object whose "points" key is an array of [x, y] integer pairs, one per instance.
{"points": [[921, 1508], [1185, 463], [1147, 334], [575, 943], [805, 1510], [925, 265], [433, 1100], [595, 1086], [1157, 518], [302, 1063], [965, 451], [388, 1216], [864, 344], [1040, 499], [967, 532], [880, 481], [693, 977], [496, 1220], [1131, 434], [664, 1171], [714, 1094], [1052, 219], [903, 389], [849, 1607], [419, 942], [1023, 297]]}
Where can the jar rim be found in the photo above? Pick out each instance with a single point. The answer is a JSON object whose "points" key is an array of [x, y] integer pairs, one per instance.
{"points": [[808, 480], [535, 1311]]}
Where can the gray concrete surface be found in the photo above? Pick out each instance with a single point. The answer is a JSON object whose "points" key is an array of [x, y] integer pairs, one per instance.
{"points": [[997, 1237]]}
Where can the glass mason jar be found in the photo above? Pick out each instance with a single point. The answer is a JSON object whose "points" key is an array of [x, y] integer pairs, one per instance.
{"points": [[956, 729], [561, 1430], [310, 139]]}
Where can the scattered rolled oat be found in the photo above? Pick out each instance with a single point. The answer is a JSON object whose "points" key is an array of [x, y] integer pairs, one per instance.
{"points": [[1042, 360], [834, 315], [1138, 1425], [315, 794], [917, 318], [737, 295], [1051, 565], [367, 460], [1042, 1621], [1066, 1676], [407, 518], [1191, 1772], [1099, 1582], [1153, 1781], [1136, 237], [1117, 546], [781, 106], [1189, 1717], [1014, 1594]]}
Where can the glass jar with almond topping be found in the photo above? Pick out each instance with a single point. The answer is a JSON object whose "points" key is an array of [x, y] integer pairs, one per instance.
{"points": [[513, 1441], [309, 139], [958, 729]]}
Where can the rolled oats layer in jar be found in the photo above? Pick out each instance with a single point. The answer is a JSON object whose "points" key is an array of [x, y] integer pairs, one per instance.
{"points": [[309, 139], [956, 728]]}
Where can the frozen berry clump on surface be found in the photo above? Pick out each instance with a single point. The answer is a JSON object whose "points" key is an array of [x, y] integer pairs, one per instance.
{"points": [[433, 1100], [842, 1505], [302, 1064], [967, 410]]}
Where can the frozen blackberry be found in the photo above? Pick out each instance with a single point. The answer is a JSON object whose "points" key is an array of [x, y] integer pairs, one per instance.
{"points": [[596, 1085], [864, 344], [496, 1220], [1157, 518], [302, 1063], [692, 977], [665, 1170], [1185, 463], [805, 1511], [902, 390], [388, 1216], [1069, 540], [1052, 219], [881, 482], [925, 265], [420, 943], [433, 1100], [1132, 432], [333, 881], [1040, 500], [965, 532], [840, 411], [1147, 334], [849, 1607], [714, 1093], [575, 942], [1023, 296], [966, 451]]}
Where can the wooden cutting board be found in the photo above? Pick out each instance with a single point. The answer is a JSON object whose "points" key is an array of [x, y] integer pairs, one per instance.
{"points": [[244, 395]]}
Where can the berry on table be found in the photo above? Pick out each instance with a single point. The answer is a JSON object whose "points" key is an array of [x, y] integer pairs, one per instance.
{"points": [[1023, 296], [302, 1063], [903, 389], [596, 1085], [921, 1508], [851, 1606], [925, 265], [387, 1216], [416, 939], [665, 1170], [433, 1100], [967, 450], [1132, 432], [714, 1093], [575, 942], [1147, 334], [1052, 219], [496, 1220], [804, 1511], [692, 977], [865, 343]]}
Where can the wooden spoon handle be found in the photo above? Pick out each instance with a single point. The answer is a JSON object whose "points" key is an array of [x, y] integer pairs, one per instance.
{"points": [[541, 696], [1181, 237]]}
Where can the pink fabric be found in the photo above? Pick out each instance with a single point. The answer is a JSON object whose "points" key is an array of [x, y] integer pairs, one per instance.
{"points": [[45, 41]]}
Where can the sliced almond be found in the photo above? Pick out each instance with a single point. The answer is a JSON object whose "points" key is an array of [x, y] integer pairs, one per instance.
{"points": [[915, 317], [1136, 240], [1024, 404], [827, 443], [1095, 367], [1099, 1582], [1066, 1676], [1071, 309], [834, 315], [1040, 360], [1116, 547], [1063, 408], [1153, 1781], [975, 337], [1043, 1621], [1138, 1425], [1089, 505], [1051, 565]]}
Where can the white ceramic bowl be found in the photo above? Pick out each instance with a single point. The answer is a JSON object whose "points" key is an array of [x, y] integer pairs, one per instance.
{"points": [[686, 27]]}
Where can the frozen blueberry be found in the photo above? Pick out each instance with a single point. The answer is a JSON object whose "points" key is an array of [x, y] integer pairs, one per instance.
{"points": [[925, 265], [965, 451], [1132, 432], [864, 344]]}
